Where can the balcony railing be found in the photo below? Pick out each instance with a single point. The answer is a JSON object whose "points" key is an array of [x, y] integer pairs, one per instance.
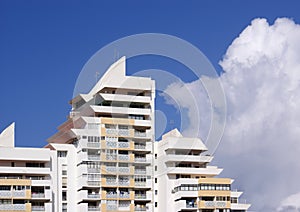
{"points": [[111, 157], [12, 207], [94, 170], [221, 204], [124, 169], [140, 159], [93, 196], [111, 181], [93, 208], [140, 196], [123, 132], [123, 157], [38, 195], [139, 146], [93, 157], [140, 171], [19, 193], [5, 194], [124, 182], [111, 144], [93, 183], [111, 168], [111, 207], [111, 131], [93, 144], [123, 144], [139, 134], [143, 184], [140, 208], [37, 208], [111, 195], [124, 195]]}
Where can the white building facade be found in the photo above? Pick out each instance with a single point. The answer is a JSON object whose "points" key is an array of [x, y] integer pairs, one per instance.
{"points": [[105, 158], [185, 182]]}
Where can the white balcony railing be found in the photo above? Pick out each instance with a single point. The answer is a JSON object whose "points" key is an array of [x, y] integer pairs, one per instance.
{"points": [[123, 144], [38, 195], [123, 157], [124, 169], [12, 207], [93, 144], [140, 159], [93, 208], [123, 132], [219, 204], [19, 193], [140, 171], [93, 196], [93, 157], [37, 208], [5, 194], [111, 168]]}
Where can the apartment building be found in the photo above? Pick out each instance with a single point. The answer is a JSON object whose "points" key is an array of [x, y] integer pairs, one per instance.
{"points": [[104, 158], [111, 131], [185, 182], [25, 176]]}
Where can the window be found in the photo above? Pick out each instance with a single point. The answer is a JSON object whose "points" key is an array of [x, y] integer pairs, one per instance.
{"points": [[62, 154], [12, 164], [64, 195], [155, 155], [64, 172], [39, 165], [155, 192], [155, 167], [155, 204], [155, 180]]}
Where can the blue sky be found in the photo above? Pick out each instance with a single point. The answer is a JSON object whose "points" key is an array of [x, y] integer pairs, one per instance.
{"points": [[44, 45]]}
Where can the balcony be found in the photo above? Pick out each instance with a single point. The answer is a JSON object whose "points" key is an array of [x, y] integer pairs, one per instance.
{"points": [[37, 208], [208, 171], [25, 170], [140, 208], [140, 196], [38, 195], [111, 169], [93, 196], [121, 110], [93, 208], [140, 171], [123, 145], [14, 194], [214, 204], [123, 132], [93, 170], [93, 183], [115, 195], [93, 157], [139, 146], [93, 144], [12, 207], [111, 207], [189, 158], [123, 169], [123, 157]]}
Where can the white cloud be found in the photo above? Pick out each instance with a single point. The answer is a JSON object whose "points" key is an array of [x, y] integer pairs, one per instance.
{"points": [[291, 203], [261, 142]]}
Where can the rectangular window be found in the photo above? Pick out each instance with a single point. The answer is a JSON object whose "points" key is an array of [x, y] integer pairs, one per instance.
{"points": [[62, 154]]}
